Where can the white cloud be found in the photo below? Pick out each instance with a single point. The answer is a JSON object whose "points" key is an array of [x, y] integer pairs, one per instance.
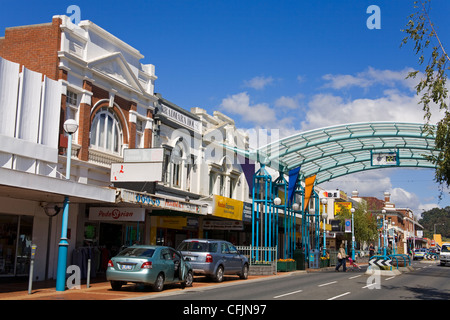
{"points": [[258, 83], [239, 104], [327, 110], [288, 102], [370, 77]]}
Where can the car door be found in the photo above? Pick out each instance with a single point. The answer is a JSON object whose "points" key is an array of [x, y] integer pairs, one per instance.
{"points": [[168, 265], [235, 258], [226, 258]]}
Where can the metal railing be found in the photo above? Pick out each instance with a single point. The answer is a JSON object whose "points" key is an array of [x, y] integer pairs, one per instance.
{"points": [[259, 255]]}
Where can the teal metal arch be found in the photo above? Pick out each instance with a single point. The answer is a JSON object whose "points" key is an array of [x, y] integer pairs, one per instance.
{"points": [[329, 153]]}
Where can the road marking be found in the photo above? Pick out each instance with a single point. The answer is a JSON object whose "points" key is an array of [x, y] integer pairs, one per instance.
{"points": [[287, 294], [341, 295], [372, 284], [325, 284], [389, 278], [354, 277]]}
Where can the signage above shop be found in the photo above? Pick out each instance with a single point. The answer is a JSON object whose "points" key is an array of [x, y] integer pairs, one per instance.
{"points": [[136, 172], [227, 208], [154, 201], [223, 225], [180, 118], [116, 214]]}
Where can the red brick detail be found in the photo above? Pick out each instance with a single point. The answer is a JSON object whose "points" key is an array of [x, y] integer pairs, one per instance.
{"points": [[35, 47]]}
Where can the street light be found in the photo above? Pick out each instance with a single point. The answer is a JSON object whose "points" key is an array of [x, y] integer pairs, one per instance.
{"points": [[277, 201], [353, 233], [324, 216], [384, 231], [70, 127]]}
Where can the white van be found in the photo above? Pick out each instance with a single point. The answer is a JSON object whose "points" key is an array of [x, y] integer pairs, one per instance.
{"points": [[445, 253]]}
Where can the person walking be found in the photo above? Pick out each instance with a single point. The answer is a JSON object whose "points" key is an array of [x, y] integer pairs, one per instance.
{"points": [[342, 256], [371, 250]]}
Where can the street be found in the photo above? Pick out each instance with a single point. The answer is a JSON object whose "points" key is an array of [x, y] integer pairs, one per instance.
{"points": [[428, 281]]}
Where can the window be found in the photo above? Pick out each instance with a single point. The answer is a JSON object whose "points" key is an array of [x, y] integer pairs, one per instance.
{"points": [[106, 132], [177, 160], [139, 133]]}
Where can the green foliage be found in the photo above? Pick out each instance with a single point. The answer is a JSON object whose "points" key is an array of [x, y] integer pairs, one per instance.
{"points": [[365, 223], [438, 217], [432, 86]]}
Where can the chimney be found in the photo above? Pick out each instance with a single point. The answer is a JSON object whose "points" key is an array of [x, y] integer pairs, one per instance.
{"points": [[355, 194], [387, 197]]}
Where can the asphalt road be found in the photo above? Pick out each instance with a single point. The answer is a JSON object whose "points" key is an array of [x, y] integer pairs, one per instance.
{"points": [[428, 281]]}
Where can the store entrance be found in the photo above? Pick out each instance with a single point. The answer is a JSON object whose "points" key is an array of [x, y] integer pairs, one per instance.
{"points": [[15, 244], [110, 237]]}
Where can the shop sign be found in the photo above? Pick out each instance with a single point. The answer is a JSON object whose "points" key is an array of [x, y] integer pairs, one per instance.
{"points": [[116, 214], [172, 222], [339, 206], [223, 225], [180, 118], [227, 208], [136, 172], [158, 202], [247, 213]]}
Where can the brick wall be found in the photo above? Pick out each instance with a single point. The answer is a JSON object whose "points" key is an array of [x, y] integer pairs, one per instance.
{"points": [[36, 47]]}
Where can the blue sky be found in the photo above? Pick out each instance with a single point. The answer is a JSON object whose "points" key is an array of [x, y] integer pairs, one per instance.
{"points": [[289, 65]]}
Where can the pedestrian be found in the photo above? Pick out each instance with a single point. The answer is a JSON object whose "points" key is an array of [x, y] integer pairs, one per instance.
{"points": [[342, 256], [371, 250]]}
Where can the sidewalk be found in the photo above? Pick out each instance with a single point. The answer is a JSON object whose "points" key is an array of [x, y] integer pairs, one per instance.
{"points": [[99, 290]]}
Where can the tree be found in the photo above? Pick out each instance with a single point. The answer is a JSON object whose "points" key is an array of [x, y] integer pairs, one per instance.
{"points": [[432, 87], [365, 223], [440, 218]]}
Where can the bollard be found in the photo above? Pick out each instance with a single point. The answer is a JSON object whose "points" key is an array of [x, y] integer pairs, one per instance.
{"points": [[30, 279], [88, 273]]}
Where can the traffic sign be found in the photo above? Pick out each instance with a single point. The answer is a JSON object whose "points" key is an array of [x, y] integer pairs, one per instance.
{"points": [[380, 262]]}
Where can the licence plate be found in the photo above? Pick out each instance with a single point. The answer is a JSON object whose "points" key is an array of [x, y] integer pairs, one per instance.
{"points": [[126, 267]]}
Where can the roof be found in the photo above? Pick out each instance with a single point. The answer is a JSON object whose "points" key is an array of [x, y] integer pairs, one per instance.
{"points": [[339, 150]]}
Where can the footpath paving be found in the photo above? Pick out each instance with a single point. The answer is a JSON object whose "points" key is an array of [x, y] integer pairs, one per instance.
{"points": [[101, 290]]}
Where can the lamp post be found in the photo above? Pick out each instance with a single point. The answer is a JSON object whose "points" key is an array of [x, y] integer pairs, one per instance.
{"points": [[324, 216], [384, 231], [70, 127], [353, 233]]}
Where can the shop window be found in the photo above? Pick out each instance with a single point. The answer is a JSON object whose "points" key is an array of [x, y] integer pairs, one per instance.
{"points": [[15, 244], [106, 132]]}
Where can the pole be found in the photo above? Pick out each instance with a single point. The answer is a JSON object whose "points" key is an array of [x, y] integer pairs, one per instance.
{"points": [[353, 234], [63, 243]]}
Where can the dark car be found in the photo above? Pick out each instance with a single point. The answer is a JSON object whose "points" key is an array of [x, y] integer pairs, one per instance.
{"points": [[214, 258], [150, 265]]}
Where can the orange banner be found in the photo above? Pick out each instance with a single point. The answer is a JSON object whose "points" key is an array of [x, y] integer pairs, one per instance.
{"points": [[309, 185]]}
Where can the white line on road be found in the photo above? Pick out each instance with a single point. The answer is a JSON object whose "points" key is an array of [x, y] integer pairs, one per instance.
{"points": [[287, 294], [325, 284], [354, 277], [341, 295], [389, 278]]}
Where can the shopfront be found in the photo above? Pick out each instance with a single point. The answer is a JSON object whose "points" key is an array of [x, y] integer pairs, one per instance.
{"points": [[15, 244], [230, 220]]}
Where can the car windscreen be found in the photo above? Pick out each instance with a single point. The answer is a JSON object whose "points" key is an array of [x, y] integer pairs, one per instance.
{"points": [[137, 252], [445, 249], [196, 246]]}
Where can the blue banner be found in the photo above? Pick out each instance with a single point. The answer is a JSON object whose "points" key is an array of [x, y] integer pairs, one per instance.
{"points": [[293, 177]]}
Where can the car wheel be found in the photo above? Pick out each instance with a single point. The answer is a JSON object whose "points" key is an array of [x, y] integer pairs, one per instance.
{"points": [[159, 283], [188, 280], [116, 285], [218, 277], [244, 273]]}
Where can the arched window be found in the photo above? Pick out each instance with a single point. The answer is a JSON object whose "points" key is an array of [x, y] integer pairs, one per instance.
{"points": [[106, 132]]}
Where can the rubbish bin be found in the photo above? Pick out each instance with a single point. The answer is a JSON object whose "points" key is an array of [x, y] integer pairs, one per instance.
{"points": [[314, 259], [299, 257]]}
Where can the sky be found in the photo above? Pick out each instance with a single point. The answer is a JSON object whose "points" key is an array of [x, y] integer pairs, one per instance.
{"points": [[289, 65]]}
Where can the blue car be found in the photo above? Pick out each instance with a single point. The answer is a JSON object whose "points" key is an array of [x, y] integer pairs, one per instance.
{"points": [[149, 265]]}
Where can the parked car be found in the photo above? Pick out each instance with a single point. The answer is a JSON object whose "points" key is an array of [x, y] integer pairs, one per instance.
{"points": [[444, 256], [420, 253], [150, 265], [214, 258]]}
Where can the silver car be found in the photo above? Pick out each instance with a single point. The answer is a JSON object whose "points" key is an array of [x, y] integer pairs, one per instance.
{"points": [[150, 265], [214, 258]]}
